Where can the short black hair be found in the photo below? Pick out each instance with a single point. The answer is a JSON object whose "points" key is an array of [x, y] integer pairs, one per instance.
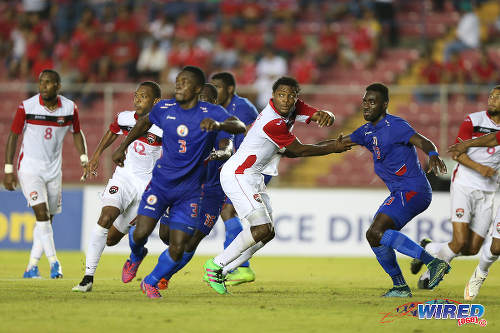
{"points": [[198, 73], [287, 81], [380, 88], [53, 72], [212, 91], [225, 77], [155, 87]]}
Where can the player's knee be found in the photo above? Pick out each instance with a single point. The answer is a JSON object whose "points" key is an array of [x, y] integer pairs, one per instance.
{"points": [[227, 212], [495, 248], [460, 246], [164, 236], [262, 232], [176, 251], [140, 235], [105, 221], [373, 236], [269, 237]]}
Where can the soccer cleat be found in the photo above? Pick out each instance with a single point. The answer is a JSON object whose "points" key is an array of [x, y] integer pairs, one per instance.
{"points": [[474, 284], [163, 284], [239, 276], [398, 291], [56, 271], [84, 286], [215, 276], [130, 268], [32, 273], [150, 290], [205, 278], [437, 269], [416, 264]]}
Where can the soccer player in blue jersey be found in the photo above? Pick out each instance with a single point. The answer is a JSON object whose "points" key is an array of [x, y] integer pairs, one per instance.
{"points": [[189, 132], [392, 142]]}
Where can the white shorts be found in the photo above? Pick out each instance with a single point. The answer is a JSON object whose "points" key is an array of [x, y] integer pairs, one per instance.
{"points": [[472, 206], [495, 232], [125, 194], [246, 192], [37, 190]]}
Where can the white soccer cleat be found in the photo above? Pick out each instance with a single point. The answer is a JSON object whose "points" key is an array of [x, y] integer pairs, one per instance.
{"points": [[83, 289], [474, 284]]}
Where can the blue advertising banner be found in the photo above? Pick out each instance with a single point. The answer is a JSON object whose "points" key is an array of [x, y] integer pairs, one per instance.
{"points": [[17, 221]]}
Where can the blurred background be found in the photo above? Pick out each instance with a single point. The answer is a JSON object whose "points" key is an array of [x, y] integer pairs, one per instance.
{"points": [[440, 58]]}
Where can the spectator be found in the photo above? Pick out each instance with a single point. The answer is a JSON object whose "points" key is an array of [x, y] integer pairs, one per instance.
{"points": [[467, 32], [484, 70], [162, 30], [360, 46], [123, 53], [386, 15], [269, 68], [246, 71], [304, 69], [152, 60], [288, 40], [250, 39], [430, 73], [454, 70], [328, 46]]}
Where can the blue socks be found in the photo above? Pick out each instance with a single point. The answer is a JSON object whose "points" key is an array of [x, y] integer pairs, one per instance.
{"points": [[165, 265], [137, 253], [186, 257], [387, 259], [398, 241], [233, 228]]}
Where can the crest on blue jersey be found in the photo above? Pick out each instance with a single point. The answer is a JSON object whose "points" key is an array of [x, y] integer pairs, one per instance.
{"points": [[182, 130]]}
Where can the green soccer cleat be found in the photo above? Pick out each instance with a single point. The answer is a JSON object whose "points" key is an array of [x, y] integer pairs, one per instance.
{"points": [[437, 269], [416, 264], [239, 276], [215, 277], [398, 291]]}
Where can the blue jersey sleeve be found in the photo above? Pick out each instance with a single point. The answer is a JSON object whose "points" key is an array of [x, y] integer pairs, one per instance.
{"points": [[358, 136], [154, 115], [219, 113], [246, 112], [402, 131]]}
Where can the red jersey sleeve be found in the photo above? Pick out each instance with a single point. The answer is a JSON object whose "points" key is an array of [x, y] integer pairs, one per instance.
{"points": [[76, 120], [305, 110], [498, 137], [114, 127], [19, 119], [465, 131], [278, 132]]}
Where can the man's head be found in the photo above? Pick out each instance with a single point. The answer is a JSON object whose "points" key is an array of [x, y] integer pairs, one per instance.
{"points": [[226, 85], [146, 95], [188, 84], [285, 94], [208, 93], [494, 101], [375, 101], [49, 84]]}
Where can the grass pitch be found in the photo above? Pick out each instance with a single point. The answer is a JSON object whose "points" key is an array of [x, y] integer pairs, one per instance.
{"points": [[289, 295]]}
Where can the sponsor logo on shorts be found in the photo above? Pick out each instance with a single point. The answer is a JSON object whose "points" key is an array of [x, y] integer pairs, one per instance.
{"points": [[34, 195], [257, 197], [459, 212], [152, 199], [182, 130], [498, 227], [113, 189], [151, 138]]}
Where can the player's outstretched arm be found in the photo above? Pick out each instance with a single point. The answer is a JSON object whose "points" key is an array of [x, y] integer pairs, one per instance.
{"points": [[10, 180], [488, 140], [225, 151], [482, 169], [323, 118], [231, 125], [326, 147], [106, 141], [436, 164], [141, 126]]}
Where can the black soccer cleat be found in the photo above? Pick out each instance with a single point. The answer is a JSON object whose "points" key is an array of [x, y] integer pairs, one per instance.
{"points": [[416, 264]]}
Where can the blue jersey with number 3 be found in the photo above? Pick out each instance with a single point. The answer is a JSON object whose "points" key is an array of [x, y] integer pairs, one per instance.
{"points": [[185, 145], [394, 158]]}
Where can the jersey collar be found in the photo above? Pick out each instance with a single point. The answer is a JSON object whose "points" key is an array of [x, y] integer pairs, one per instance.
{"points": [[288, 116], [40, 100]]}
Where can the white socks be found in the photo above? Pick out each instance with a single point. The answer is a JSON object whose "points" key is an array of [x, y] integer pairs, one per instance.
{"points": [[434, 247], [242, 258], [47, 240], [36, 248], [446, 254], [486, 258], [97, 244], [240, 244]]}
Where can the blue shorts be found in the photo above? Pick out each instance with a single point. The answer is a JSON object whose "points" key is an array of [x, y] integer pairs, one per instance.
{"points": [[402, 206], [212, 200], [267, 179], [182, 205]]}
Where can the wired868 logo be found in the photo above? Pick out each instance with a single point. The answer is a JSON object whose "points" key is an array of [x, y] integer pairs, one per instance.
{"points": [[439, 309]]}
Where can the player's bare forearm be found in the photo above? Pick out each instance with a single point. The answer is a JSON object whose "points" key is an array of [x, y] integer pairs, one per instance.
{"points": [[10, 150], [106, 141], [80, 143], [323, 118], [319, 149], [421, 142], [233, 125], [141, 127], [484, 170], [436, 165], [488, 140], [224, 152]]}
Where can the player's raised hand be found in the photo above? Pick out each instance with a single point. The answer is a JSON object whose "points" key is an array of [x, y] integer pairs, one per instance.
{"points": [[436, 165], [324, 118], [90, 169], [118, 157], [457, 149], [209, 124], [10, 181]]}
